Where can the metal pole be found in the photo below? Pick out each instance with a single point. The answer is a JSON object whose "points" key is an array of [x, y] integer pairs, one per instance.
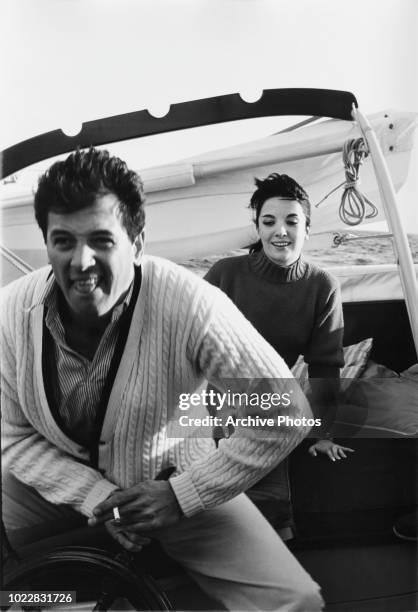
{"points": [[400, 240]]}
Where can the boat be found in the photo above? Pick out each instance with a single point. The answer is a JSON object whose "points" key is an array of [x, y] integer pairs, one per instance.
{"points": [[198, 206], [344, 513]]}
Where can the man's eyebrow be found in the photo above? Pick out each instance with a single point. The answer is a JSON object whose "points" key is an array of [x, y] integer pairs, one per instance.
{"points": [[268, 215], [98, 232], [101, 233], [59, 231]]}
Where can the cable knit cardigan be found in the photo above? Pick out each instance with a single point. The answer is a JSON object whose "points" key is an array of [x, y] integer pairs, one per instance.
{"points": [[183, 330]]}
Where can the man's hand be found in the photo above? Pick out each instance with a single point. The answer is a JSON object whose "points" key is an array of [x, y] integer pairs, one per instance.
{"points": [[143, 508], [328, 447], [130, 541]]}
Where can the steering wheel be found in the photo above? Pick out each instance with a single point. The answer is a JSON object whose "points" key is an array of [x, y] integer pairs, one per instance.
{"points": [[104, 582]]}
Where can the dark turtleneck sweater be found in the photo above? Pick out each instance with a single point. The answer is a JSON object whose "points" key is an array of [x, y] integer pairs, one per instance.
{"points": [[297, 309]]}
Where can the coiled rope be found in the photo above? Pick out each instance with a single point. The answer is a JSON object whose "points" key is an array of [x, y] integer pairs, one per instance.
{"points": [[354, 205]]}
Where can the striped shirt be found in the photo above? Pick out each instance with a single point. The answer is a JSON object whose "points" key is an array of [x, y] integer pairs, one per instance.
{"points": [[78, 382]]}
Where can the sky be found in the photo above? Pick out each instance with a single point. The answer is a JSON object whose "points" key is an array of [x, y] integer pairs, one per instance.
{"points": [[68, 61]]}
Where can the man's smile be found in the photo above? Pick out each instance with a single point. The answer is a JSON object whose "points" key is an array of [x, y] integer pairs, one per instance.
{"points": [[85, 284]]}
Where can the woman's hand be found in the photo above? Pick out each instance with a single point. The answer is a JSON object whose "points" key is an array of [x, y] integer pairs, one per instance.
{"points": [[328, 447]]}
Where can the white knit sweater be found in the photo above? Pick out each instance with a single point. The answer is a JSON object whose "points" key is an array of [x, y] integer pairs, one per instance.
{"points": [[183, 330]]}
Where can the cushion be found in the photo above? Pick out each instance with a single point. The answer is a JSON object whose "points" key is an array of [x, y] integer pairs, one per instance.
{"points": [[379, 407], [377, 370], [411, 373], [355, 361]]}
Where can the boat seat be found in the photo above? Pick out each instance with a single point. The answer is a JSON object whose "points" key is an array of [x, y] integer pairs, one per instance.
{"points": [[388, 324], [361, 496]]}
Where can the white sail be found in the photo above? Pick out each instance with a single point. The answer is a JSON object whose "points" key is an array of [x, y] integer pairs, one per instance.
{"points": [[199, 206]]}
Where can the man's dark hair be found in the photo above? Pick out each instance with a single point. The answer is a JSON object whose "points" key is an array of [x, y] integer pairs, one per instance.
{"points": [[277, 186], [75, 183]]}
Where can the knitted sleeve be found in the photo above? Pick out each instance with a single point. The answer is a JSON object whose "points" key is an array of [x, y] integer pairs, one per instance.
{"points": [[26, 453], [221, 274], [232, 355], [212, 276], [324, 353]]}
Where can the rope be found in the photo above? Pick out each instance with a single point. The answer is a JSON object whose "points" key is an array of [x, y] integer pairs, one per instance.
{"points": [[340, 239], [354, 205], [16, 261]]}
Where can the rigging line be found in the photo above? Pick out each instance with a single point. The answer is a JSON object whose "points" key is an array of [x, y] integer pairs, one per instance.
{"points": [[340, 239], [354, 206], [298, 125], [15, 260]]}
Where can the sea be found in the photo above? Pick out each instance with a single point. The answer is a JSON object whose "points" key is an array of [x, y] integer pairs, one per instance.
{"points": [[359, 251]]}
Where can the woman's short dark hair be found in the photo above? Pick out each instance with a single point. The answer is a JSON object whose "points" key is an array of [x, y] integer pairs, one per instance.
{"points": [[75, 183], [277, 186]]}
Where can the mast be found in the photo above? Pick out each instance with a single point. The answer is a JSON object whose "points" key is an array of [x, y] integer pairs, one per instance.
{"points": [[400, 240]]}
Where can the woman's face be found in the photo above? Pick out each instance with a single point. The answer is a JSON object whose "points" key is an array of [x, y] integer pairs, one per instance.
{"points": [[282, 230]]}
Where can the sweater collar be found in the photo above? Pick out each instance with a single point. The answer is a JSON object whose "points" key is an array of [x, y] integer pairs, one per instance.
{"points": [[262, 266], [45, 289]]}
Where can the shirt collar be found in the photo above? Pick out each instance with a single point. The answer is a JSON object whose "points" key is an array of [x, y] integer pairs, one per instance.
{"points": [[120, 308]]}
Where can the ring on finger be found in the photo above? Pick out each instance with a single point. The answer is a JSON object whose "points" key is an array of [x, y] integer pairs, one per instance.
{"points": [[116, 514]]}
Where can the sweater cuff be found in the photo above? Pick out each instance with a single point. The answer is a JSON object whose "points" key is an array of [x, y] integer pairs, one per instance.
{"points": [[186, 493], [100, 491]]}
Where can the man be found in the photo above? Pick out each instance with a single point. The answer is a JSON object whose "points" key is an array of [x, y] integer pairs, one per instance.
{"points": [[96, 354]]}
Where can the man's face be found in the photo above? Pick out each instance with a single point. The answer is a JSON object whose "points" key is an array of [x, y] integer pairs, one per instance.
{"points": [[92, 257]]}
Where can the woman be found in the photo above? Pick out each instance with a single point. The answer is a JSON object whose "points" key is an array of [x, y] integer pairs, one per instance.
{"points": [[294, 304]]}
